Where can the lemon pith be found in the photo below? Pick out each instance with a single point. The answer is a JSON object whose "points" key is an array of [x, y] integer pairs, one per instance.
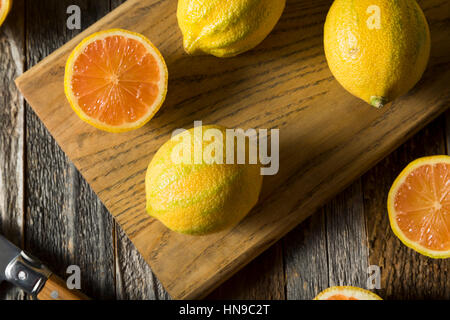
{"points": [[377, 49], [199, 199], [392, 211], [226, 28], [73, 100]]}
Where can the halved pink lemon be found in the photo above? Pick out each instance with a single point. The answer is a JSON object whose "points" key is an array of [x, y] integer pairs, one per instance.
{"points": [[419, 206], [116, 80], [346, 293]]}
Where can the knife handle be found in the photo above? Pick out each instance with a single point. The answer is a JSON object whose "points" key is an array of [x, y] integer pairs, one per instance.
{"points": [[56, 289]]}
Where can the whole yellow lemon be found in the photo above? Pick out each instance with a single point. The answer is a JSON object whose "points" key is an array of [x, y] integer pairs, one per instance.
{"points": [[226, 28], [377, 49], [191, 191]]}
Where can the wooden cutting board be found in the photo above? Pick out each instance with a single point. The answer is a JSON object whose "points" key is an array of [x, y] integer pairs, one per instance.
{"points": [[327, 137]]}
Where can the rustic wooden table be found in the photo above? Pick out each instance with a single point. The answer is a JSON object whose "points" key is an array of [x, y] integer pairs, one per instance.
{"points": [[47, 208]]}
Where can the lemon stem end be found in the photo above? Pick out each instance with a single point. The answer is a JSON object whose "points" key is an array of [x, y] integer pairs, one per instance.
{"points": [[378, 102]]}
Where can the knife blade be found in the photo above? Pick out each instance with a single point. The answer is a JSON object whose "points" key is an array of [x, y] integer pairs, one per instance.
{"points": [[8, 252]]}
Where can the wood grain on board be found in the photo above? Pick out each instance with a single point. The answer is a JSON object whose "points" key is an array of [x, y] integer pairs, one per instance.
{"points": [[327, 137]]}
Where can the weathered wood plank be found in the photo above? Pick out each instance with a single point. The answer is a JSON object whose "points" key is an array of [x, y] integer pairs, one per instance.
{"points": [[330, 250], [11, 134], [347, 249], [306, 259], [261, 279], [65, 222], [405, 273], [94, 238], [134, 278]]}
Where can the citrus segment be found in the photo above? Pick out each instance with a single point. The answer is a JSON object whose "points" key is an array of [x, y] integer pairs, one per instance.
{"points": [[116, 80], [419, 206], [5, 6], [346, 293]]}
